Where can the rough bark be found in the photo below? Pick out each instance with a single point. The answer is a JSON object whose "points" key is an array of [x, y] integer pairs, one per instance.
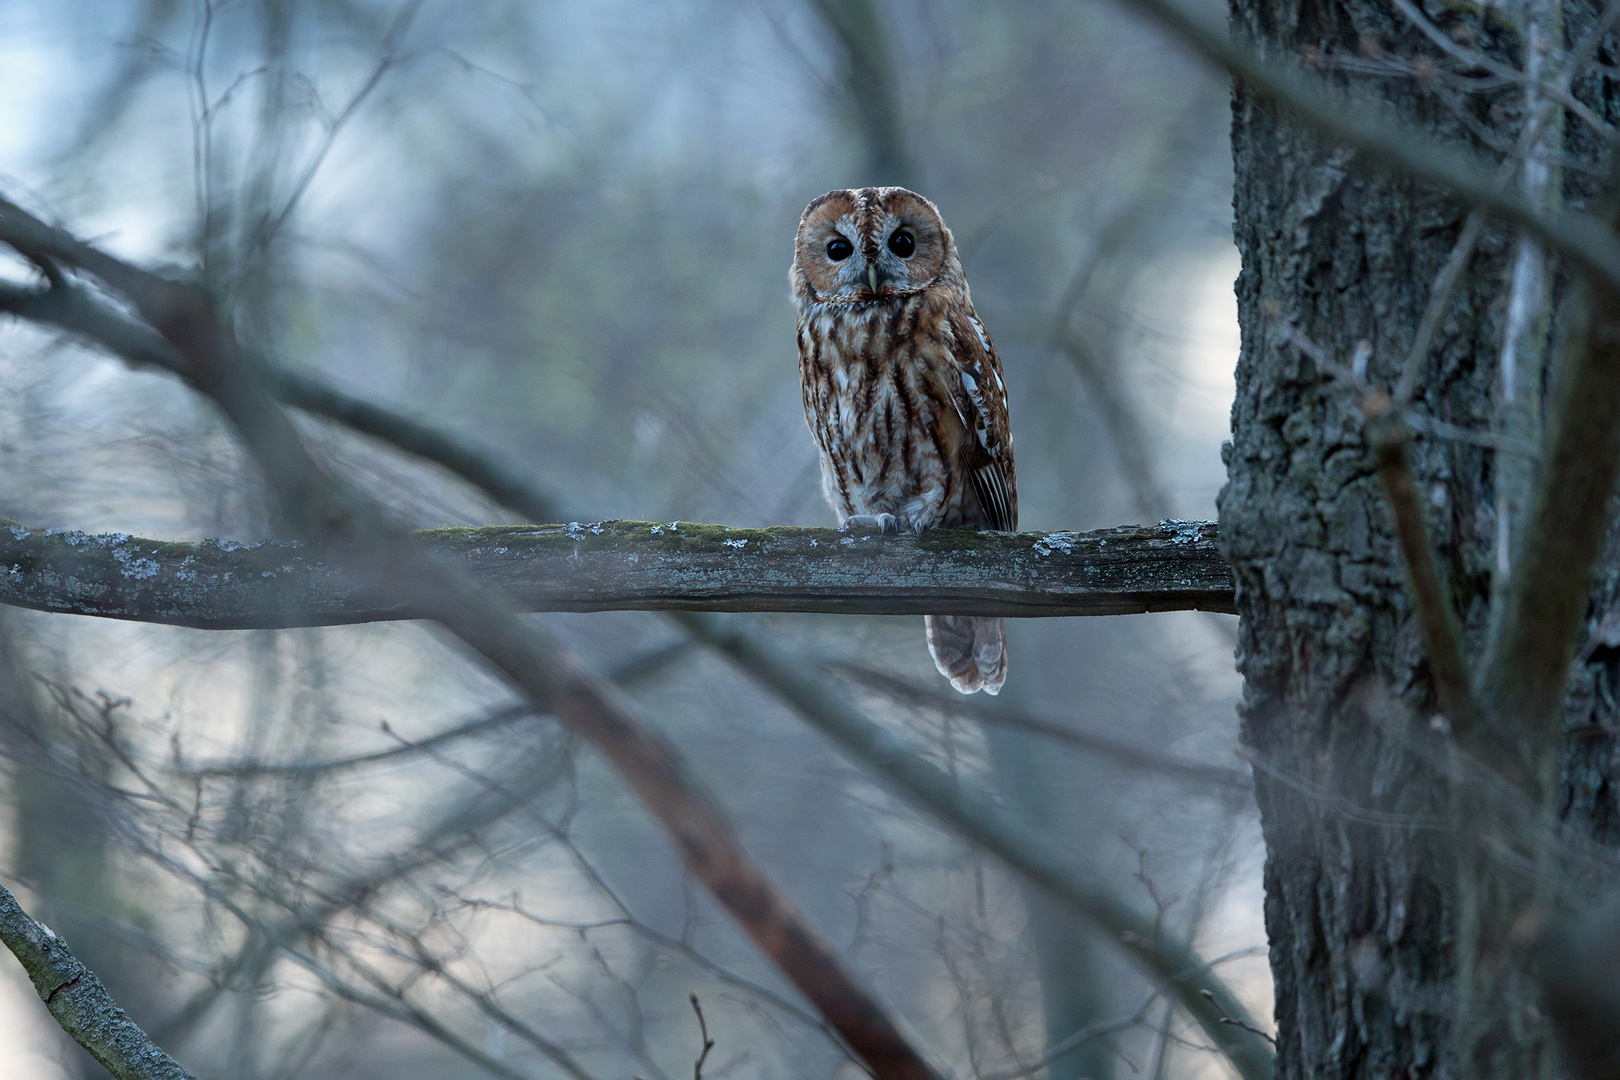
{"points": [[631, 565], [78, 1001], [1364, 903], [1355, 912]]}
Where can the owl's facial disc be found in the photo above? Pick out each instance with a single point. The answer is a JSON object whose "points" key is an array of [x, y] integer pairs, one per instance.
{"points": [[871, 244]]}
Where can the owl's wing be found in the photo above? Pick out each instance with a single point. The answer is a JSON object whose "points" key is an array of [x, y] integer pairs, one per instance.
{"points": [[982, 403]]}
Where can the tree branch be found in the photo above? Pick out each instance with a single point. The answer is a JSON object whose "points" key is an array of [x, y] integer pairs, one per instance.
{"points": [[974, 817], [626, 565], [1527, 658], [78, 1001], [1124, 754], [75, 311], [391, 565], [1387, 434], [1533, 633], [779, 674], [1589, 243]]}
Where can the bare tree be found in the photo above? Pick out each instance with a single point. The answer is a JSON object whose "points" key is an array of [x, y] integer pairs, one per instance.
{"points": [[1419, 489]]}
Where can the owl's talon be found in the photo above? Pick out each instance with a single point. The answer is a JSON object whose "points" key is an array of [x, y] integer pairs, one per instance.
{"points": [[883, 523]]}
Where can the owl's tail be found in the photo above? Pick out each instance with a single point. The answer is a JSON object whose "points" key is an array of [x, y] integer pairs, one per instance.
{"points": [[969, 651]]}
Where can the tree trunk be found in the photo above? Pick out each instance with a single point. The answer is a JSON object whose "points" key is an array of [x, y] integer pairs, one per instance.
{"points": [[1364, 886]]}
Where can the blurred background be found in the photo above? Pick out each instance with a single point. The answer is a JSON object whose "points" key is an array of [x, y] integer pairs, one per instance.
{"points": [[562, 230]]}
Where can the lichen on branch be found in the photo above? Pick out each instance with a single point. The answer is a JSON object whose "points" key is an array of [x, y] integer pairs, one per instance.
{"points": [[631, 565]]}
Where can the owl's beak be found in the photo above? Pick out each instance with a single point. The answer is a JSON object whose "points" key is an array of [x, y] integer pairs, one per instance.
{"points": [[872, 277]]}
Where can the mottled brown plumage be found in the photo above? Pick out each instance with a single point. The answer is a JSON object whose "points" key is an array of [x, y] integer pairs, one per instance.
{"points": [[903, 390]]}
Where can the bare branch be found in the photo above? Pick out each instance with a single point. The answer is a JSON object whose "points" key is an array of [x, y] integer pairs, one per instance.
{"points": [[632, 671], [389, 57], [354, 533], [484, 471], [451, 830], [1589, 244], [703, 1031], [495, 720], [1387, 434], [385, 998], [1251, 1056], [1534, 630], [1120, 753], [78, 1001], [617, 566], [1527, 659], [69, 308], [975, 818], [1417, 355]]}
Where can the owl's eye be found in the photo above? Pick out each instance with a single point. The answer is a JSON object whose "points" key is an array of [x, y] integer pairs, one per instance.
{"points": [[839, 249], [902, 244]]}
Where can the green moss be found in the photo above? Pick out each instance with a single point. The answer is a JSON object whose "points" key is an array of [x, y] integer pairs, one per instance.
{"points": [[695, 536], [111, 557], [685, 536], [700, 537], [958, 540]]}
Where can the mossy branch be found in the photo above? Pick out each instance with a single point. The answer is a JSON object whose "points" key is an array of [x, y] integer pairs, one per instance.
{"points": [[630, 565]]}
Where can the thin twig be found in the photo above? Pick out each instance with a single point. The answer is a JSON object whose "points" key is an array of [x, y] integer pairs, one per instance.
{"points": [[1439, 303], [494, 721], [1556, 90], [1387, 434], [708, 1043], [397, 30], [631, 671], [1246, 1026]]}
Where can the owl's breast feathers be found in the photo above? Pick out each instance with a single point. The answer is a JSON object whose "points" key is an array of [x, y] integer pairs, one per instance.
{"points": [[906, 401]]}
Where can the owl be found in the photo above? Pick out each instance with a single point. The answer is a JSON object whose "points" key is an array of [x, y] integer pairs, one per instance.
{"points": [[903, 391]]}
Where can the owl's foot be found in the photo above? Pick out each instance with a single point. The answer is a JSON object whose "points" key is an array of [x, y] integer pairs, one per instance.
{"points": [[883, 523]]}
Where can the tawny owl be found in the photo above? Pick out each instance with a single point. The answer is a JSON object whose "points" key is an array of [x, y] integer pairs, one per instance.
{"points": [[903, 391]]}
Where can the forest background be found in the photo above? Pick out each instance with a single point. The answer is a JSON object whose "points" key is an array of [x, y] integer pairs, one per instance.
{"points": [[562, 231]]}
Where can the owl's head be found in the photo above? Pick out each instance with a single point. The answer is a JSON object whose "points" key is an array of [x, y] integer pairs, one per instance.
{"points": [[871, 244]]}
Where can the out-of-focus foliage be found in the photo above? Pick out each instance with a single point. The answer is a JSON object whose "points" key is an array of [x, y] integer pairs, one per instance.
{"points": [[563, 231]]}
